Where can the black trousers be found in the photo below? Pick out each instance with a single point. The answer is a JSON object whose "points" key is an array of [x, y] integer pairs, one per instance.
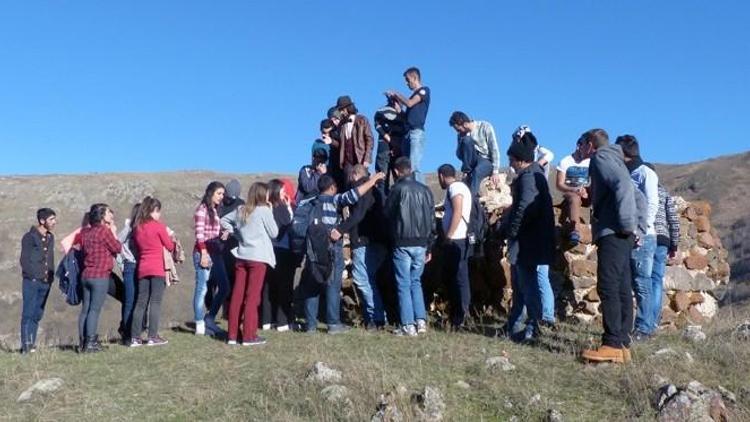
{"points": [[150, 294], [614, 285], [278, 290], [456, 268]]}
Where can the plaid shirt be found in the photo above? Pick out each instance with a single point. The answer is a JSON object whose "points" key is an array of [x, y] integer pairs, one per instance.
{"points": [[99, 246], [205, 228]]}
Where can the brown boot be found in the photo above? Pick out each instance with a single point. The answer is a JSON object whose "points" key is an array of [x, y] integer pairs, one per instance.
{"points": [[626, 356], [604, 354]]}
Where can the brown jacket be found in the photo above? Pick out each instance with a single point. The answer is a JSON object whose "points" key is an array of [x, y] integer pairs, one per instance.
{"points": [[361, 138]]}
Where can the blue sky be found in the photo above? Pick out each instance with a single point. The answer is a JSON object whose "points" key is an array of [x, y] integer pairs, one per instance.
{"points": [[242, 86]]}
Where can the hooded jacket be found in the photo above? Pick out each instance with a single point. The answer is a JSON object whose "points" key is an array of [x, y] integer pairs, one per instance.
{"points": [[612, 194]]}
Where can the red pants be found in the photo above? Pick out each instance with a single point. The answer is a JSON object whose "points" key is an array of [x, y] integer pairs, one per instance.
{"points": [[248, 284]]}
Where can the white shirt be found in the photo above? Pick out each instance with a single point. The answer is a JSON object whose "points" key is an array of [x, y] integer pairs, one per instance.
{"points": [[455, 189], [349, 126], [576, 173]]}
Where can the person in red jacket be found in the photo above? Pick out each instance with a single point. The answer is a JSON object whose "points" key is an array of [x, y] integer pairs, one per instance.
{"points": [[151, 238], [99, 247]]}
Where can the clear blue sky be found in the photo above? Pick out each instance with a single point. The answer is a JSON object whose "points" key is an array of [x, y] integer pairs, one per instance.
{"points": [[241, 86]]}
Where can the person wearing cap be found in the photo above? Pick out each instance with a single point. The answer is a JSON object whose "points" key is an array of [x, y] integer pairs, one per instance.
{"points": [[417, 106], [477, 149], [309, 174], [356, 140], [529, 229], [542, 155], [390, 124]]}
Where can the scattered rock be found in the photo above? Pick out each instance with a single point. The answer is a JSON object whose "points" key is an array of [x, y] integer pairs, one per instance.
{"points": [[727, 395], [323, 374], [463, 385], [499, 363], [689, 357], [696, 262], [338, 395], [695, 402], [665, 351], [694, 333], [428, 405], [664, 394], [554, 415], [387, 410], [46, 386], [742, 332], [508, 404], [402, 391], [535, 400]]}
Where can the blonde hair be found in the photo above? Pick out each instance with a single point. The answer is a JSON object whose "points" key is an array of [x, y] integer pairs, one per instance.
{"points": [[257, 196]]}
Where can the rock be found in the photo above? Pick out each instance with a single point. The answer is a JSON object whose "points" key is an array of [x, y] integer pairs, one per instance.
{"points": [[586, 236], [694, 317], [335, 393], [428, 405], [658, 381], [702, 223], [499, 363], [708, 307], [387, 410], [696, 262], [582, 283], [742, 332], [703, 208], [554, 415], [593, 296], [701, 282], [582, 268], [323, 374], [678, 278], [664, 394], [695, 402], [508, 404], [46, 386], [697, 298], [705, 240], [402, 391], [665, 352], [463, 385], [694, 333], [727, 395], [535, 400], [689, 358], [681, 301], [591, 308], [690, 213]]}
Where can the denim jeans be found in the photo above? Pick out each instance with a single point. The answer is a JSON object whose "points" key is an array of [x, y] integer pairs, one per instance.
{"points": [[128, 300], [216, 272], [526, 306], [414, 147], [642, 265], [332, 290], [546, 293], [657, 286], [456, 269], [366, 262], [408, 265], [475, 167], [35, 295], [94, 294]]}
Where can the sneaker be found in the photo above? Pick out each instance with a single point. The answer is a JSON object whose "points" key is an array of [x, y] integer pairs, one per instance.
{"points": [[156, 341], [640, 337], [406, 331], [604, 354], [266, 327], [338, 329], [135, 342], [200, 328], [257, 341], [282, 328], [421, 326], [231, 342]]}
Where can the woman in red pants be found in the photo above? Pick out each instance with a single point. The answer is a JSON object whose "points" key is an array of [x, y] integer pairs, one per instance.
{"points": [[255, 227]]}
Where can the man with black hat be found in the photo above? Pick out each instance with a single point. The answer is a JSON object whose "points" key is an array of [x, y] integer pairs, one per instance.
{"points": [[356, 141]]}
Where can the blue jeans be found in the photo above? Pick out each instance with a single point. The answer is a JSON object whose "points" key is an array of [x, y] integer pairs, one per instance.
{"points": [[657, 286], [475, 167], [94, 294], [332, 290], [366, 262], [216, 272], [526, 304], [546, 293], [35, 295], [128, 300], [414, 149], [408, 265], [642, 265]]}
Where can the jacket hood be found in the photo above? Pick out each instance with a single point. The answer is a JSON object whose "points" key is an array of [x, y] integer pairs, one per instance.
{"points": [[610, 153]]}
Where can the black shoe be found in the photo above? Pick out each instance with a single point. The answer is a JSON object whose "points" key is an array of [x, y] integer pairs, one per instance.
{"points": [[92, 345], [639, 337], [370, 327]]}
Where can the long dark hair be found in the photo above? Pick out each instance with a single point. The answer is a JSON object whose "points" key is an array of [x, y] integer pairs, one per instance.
{"points": [[97, 213], [149, 205], [275, 186], [210, 190], [134, 214]]}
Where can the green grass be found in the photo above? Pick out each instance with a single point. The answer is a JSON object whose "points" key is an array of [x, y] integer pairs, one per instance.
{"points": [[202, 379]]}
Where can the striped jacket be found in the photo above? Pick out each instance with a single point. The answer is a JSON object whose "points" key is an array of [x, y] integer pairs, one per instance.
{"points": [[667, 222]]}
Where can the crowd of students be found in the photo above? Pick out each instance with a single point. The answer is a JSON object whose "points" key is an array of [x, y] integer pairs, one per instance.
{"points": [[247, 252]]}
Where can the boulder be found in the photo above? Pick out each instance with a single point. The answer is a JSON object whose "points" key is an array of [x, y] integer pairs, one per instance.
{"points": [[707, 307], [428, 405], [678, 278], [681, 301], [593, 296], [694, 333], [499, 363], [696, 262], [45, 386], [323, 374], [706, 240], [694, 402]]}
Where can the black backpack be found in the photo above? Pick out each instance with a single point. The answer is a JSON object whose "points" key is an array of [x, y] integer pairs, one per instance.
{"points": [[476, 228], [308, 236], [300, 224]]}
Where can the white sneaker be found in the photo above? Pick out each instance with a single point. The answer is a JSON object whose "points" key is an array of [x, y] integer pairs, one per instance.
{"points": [[266, 327], [282, 328], [200, 328], [232, 342], [421, 326]]}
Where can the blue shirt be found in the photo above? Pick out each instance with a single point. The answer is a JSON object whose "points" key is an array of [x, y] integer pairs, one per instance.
{"points": [[416, 116]]}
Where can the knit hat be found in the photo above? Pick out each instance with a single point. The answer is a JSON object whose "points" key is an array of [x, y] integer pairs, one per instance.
{"points": [[233, 188], [521, 152], [520, 131]]}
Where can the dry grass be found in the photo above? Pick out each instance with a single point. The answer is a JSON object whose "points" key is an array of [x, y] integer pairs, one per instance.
{"points": [[202, 379]]}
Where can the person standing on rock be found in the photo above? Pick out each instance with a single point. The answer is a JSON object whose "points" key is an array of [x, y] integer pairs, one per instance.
{"points": [[99, 247], [151, 238], [37, 270], [573, 182], [390, 124], [417, 106], [128, 260], [255, 224], [529, 230], [667, 225], [307, 180], [477, 149], [646, 182], [614, 223], [208, 259], [458, 204], [542, 155], [355, 136], [369, 251], [410, 216]]}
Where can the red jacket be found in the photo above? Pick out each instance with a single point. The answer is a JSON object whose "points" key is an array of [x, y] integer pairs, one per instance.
{"points": [[150, 239], [99, 247]]}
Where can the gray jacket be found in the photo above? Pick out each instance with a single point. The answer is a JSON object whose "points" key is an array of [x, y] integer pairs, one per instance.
{"points": [[612, 194], [254, 235]]}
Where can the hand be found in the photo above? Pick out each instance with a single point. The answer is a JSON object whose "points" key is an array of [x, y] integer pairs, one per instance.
{"points": [[387, 138], [322, 168], [335, 235], [495, 179], [389, 93], [224, 235], [427, 258], [326, 139], [205, 260], [366, 164], [379, 176], [583, 193]]}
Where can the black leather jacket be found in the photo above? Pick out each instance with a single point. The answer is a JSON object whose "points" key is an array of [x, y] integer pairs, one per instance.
{"points": [[410, 212]]}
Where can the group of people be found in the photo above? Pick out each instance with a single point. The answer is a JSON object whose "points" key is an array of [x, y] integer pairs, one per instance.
{"points": [[247, 252]]}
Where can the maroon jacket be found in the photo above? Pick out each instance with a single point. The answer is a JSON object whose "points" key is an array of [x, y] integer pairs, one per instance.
{"points": [[361, 138]]}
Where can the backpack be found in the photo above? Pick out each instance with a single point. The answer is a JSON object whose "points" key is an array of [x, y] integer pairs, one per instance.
{"points": [[300, 224], [476, 228], [318, 251]]}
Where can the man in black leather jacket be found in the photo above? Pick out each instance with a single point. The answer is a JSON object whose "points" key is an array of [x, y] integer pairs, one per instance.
{"points": [[410, 212]]}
